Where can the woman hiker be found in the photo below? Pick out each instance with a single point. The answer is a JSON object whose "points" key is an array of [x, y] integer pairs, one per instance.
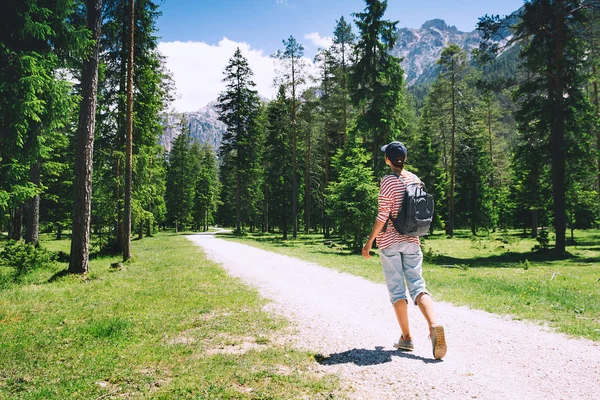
{"points": [[401, 256]]}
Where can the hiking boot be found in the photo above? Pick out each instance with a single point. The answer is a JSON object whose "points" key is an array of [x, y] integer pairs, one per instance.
{"points": [[438, 341], [404, 344]]}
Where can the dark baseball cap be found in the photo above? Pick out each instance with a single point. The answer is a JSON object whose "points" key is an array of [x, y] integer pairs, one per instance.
{"points": [[395, 151]]}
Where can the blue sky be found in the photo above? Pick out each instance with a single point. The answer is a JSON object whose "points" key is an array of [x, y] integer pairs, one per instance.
{"points": [[264, 23], [199, 36]]}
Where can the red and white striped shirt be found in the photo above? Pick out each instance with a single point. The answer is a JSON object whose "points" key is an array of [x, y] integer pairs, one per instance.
{"points": [[391, 196]]}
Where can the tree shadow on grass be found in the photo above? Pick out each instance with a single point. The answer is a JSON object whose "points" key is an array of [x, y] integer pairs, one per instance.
{"points": [[338, 253], [58, 275], [365, 357], [207, 233], [251, 238], [509, 259]]}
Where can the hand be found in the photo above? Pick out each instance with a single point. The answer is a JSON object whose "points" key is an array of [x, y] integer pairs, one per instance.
{"points": [[366, 250]]}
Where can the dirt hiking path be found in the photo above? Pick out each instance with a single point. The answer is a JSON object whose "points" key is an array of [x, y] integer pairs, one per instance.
{"points": [[350, 321]]}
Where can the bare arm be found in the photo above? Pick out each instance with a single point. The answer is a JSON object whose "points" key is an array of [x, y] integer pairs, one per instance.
{"points": [[377, 227]]}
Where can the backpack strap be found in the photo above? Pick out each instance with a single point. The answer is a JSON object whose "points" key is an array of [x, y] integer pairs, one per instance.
{"points": [[390, 216]]}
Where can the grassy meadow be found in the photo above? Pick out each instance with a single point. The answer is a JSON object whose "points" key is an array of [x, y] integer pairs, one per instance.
{"points": [[498, 273], [170, 324]]}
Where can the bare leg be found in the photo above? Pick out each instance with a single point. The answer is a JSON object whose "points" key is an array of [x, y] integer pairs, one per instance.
{"points": [[436, 332], [401, 310], [426, 306]]}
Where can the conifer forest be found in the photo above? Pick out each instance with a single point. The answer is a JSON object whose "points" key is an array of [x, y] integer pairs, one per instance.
{"points": [[505, 137]]}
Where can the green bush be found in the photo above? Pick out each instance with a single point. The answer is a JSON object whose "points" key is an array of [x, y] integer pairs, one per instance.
{"points": [[24, 257], [352, 199], [544, 241]]}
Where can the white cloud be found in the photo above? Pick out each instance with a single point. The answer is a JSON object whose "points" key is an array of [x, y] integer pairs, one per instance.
{"points": [[285, 3], [197, 69], [318, 40]]}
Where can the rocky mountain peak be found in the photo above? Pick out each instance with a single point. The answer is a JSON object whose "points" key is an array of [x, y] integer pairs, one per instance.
{"points": [[204, 126], [439, 24], [421, 48]]}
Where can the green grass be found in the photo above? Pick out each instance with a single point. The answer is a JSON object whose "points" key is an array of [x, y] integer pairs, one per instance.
{"points": [[498, 273], [169, 325]]}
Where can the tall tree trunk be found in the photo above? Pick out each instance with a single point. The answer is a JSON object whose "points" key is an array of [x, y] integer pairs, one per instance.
{"points": [[238, 203], [345, 92], [15, 231], [33, 208], [129, 143], [558, 132], [85, 146], [149, 221], [206, 220], [450, 222], [326, 180], [474, 211], [534, 223], [307, 183], [491, 136], [121, 131], [294, 157], [266, 207], [241, 128], [59, 229], [597, 130], [120, 225]]}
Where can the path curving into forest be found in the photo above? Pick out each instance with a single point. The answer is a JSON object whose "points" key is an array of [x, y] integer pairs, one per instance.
{"points": [[350, 320]]}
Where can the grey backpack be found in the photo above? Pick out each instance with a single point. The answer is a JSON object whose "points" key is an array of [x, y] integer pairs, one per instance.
{"points": [[416, 214]]}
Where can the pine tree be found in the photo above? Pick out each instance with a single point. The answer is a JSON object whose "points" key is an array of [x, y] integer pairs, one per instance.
{"points": [[153, 94], [57, 170], [497, 149], [427, 156], [531, 163], [454, 68], [342, 49], [310, 126], [353, 198], [150, 98], [293, 77], [592, 37], [180, 182], [129, 128], [473, 168], [553, 55], [148, 189], [37, 38], [80, 237], [278, 164], [207, 188], [582, 207], [335, 65], [239, 109], [377, 82], [451, 153], [333, 131]]}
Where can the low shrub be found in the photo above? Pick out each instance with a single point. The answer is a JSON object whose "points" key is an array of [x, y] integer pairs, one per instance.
{"points": [[543, 240], [24, 257]]}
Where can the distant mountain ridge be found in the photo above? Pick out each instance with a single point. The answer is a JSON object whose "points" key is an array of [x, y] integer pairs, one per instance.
{"points": [[421, 48], [204, 126]]}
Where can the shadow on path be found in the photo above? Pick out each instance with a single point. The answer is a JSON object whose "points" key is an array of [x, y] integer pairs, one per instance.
{"points": [[364, 357]]}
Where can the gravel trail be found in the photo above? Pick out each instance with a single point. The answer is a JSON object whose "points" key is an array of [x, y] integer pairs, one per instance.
{"points": [[350, 321]]}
